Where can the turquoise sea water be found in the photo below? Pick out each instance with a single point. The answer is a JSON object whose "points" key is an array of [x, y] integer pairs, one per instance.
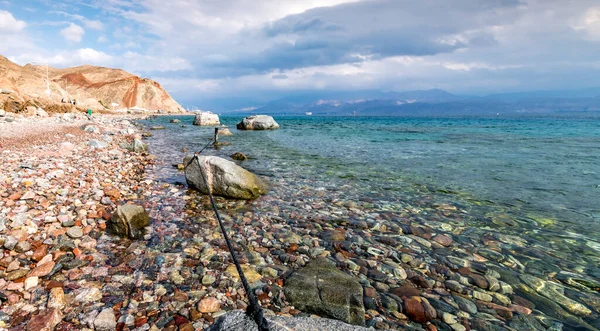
{"points": [[533, 178], [541, 167]]}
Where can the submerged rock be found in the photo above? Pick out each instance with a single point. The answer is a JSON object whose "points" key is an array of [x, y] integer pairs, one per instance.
{"points": [[237, 320], [321, 288], [206, 119], [175, 120], [224, 177], [258, 122], [129, 221], [224, 131], [239, 156]]}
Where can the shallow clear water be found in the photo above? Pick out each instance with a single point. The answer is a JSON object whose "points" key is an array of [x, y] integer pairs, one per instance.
{"points": [[540, 167], [532, 178]]}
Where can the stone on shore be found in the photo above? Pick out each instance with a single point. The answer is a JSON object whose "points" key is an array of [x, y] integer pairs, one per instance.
{"points": [[105, 321], [258, 122], [206, 119], [175, 120], [97, 144], [91, 129], [321, 288], [2, 113], [237, 320], [224, 178], [137, 146], [45, 321], [129, 221]]}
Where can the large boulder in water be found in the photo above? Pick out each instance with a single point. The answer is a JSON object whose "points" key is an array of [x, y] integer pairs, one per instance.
{"points": [[237, 320], [206, 119], [258, 122], [321, 288], [129, 221], [224, 178]]}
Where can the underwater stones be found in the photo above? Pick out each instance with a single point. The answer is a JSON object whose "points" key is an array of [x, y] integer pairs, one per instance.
{"points": [[556, 293], [249, 272], [526, 322], [482, 296], [206, 119], [224, 178], [321, 288], [209, 305], [442, 239], [258, 122], [129, 221], [465, 304], [238, 320], [208, 279], [415, 310]]}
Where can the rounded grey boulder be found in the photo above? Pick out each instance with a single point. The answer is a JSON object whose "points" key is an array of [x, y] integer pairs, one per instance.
{"points": [[258, 122], [224, 178]]}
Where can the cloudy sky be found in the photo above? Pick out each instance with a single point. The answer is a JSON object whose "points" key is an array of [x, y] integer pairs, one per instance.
{"points": [[218, 49]]}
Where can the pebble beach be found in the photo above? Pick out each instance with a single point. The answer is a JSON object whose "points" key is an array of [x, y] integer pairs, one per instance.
{"points": [[420, 264]]}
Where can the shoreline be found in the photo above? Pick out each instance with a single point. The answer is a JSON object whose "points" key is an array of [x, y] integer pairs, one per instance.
{"points": [[415, 267]]}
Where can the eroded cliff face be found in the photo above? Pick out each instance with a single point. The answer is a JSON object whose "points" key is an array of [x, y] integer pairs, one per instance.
{"points": [[93, 87]]}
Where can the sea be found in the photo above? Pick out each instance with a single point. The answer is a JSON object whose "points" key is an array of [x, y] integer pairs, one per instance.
{"points": [[535, 177]]}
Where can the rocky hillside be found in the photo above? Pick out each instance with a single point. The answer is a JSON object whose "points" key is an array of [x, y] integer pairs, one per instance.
{"points": [[91, 87]]}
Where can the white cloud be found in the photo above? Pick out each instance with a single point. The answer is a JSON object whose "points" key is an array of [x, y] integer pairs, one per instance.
{"points": [[89, 23], [590, 23], [73, 33], [94, 25], [8, 23], [102, 39]]}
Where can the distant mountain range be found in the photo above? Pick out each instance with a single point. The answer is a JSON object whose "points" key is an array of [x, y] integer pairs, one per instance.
{"points": [[430, 102]]}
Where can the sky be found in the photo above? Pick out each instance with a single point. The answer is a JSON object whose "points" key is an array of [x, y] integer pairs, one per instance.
{"points": [[203, 50]]}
